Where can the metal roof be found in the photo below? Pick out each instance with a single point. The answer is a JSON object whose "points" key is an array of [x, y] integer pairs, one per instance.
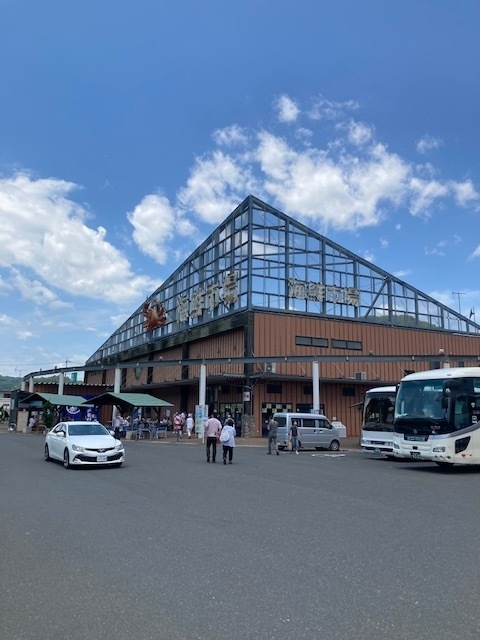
{"points": [[130, 399], [59, 399]]}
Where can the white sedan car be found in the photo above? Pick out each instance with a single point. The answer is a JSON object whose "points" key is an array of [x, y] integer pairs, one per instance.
{"points": [[79, 444]]}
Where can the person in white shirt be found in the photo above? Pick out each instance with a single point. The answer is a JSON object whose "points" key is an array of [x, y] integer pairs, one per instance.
{"points": [[227, 438], [189, 424], [213, 426]]}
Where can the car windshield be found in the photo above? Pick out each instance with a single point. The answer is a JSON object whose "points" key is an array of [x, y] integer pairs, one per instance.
{"points": [[87, 430]]}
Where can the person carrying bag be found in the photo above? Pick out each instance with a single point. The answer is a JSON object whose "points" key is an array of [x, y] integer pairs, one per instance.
{"points": [[227, 439]]}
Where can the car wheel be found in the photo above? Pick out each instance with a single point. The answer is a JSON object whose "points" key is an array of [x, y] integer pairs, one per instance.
{"points": [[66, 459], [46, 454], [334, 445]]}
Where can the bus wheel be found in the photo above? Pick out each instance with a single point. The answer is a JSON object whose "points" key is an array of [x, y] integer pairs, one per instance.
{"points": [[446, 466]]}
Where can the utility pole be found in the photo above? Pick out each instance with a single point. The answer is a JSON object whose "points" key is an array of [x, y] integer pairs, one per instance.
{"points": [[458, 294]]}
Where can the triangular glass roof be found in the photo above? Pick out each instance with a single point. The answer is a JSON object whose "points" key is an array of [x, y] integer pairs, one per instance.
{"points": [[260, 258]]}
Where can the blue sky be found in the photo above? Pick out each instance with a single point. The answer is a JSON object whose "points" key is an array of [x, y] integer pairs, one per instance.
{"points": [[130, 130]]}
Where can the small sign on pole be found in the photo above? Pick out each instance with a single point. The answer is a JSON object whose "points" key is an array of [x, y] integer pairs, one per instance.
{"points": [[246, 396]]}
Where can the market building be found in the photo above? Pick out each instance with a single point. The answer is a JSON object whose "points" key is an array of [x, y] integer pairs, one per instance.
{"points": [[261, 303]]}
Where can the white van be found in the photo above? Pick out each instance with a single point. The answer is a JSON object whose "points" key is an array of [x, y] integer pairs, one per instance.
{"points": [[315, 431]]}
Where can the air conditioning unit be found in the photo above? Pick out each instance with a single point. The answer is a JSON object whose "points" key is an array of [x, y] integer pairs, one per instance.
{"points": [[270, 367], [360, 375]]}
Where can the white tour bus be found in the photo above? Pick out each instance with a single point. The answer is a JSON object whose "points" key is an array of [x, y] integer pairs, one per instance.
{"points": [[437, 416], [377, 422]]}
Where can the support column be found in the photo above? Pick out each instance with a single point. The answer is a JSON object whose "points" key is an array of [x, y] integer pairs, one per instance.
{"points": [[61, 382], [117, 380], [116, 389], [316, 386], [202, 389], [202, 396]]}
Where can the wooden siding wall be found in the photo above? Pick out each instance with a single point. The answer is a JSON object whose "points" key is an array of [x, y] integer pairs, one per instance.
{"points": [[275, 335], [347, 409], [224, 345]]}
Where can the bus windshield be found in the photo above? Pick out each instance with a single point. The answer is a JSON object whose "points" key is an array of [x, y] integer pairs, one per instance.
{"points": [[378, 411], [420, 398]]}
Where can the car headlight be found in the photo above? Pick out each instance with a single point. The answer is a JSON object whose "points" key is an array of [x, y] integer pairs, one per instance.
{"points": [[75, 447], [119, 447], [396, 446], [438, 449]]}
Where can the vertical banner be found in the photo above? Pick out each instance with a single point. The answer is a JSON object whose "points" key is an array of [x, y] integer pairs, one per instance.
{"points": [[201, 416]]}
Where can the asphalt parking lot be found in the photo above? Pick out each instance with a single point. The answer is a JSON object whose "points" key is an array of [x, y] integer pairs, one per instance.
{"points": [[320, 545]]}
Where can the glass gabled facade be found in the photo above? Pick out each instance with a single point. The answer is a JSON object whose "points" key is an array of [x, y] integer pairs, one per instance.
{"points": [[259, 258]]}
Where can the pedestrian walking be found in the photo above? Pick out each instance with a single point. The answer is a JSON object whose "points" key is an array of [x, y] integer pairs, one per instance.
{"points": [[272, 435], [189, 424], [178, 425], [213, 427], [294, 436], [116, 424], [227, 438]]}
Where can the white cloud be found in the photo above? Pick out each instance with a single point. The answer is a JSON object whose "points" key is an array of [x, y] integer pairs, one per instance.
{"points": [[344, 192], [230, 136], [359, 133], [330, 109], [368, 255], [217, 183], [402, 273], [155, 223], [464, 192], [444, 297], [335, 186], [303, 133], [384, 243], [427, 143], [5, 321], [43, 230], [24, 334], [437, 250], [287, 109], [425, 193]]}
